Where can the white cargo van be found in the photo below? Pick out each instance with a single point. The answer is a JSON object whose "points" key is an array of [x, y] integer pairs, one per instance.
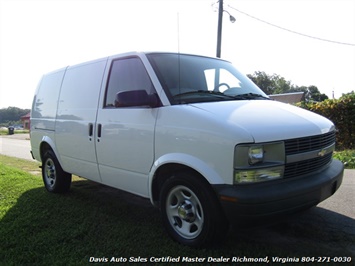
{"points": [[191, 133]]}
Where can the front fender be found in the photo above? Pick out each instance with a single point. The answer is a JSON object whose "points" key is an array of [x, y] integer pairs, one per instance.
{"points": [[186, 160]]}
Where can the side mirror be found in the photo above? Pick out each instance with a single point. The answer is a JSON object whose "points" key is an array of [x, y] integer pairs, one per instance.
{"points": [[136, 98]]}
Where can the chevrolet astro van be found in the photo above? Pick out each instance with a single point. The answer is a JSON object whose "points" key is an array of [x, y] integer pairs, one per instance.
{"points": [[191, 133]]}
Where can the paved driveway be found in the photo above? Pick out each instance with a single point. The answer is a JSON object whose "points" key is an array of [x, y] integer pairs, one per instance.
{"points": [[17, 145]]}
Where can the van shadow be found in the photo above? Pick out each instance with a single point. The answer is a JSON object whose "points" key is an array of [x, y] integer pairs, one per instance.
{"points": [[94, 213], [317, 231]]}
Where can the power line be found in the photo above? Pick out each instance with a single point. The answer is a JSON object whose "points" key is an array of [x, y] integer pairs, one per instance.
{"points": [[292, 31]]}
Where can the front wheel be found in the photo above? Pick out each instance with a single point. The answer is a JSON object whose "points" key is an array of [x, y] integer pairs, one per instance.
{"points": [[190, 211], [54, 178]]}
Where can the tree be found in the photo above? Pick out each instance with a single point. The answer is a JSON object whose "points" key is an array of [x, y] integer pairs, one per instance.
{"points": [[263, 81], [281, 85], [275, 84], [316, 95], [12, 115]]}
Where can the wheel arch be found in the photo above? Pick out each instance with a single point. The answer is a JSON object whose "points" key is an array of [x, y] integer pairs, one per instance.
{"points": [[47, 144], [167, 165]]}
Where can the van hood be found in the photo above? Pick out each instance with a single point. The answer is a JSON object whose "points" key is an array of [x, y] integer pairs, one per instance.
{"points": [[268, 120]]}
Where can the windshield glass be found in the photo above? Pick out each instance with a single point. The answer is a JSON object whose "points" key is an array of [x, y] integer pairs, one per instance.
{"points": [[192, 79]]}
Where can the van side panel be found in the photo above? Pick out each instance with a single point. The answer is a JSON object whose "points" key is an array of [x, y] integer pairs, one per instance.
{"points": [[44, 108], [76, 118]]}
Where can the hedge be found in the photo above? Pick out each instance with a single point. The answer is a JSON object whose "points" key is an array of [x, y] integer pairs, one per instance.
{"points": [[342, 113]]}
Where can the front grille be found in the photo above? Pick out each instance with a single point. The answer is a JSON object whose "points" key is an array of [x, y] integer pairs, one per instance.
{"points": [[306, 167], [300, 145], [304, 145]]}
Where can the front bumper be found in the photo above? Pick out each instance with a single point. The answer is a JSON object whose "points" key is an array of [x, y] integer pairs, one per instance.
{"points": [[254, 203]]}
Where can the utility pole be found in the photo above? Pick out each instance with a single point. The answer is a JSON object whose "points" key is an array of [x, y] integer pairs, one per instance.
{"points": [[219, 30]]}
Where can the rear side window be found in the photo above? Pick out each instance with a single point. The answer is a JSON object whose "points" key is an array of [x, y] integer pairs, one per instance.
{"points": [[126, 75]]}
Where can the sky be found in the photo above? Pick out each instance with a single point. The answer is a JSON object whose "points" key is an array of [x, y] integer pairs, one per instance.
{"points": [[39, 36]]}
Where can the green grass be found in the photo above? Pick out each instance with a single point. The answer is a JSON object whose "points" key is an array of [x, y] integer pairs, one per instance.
{"points": [[6, 131], [40, 228], [3, 131]]}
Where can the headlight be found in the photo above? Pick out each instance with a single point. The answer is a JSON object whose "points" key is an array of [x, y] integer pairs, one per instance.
{"points": [[259, 162], [258, 175], [256, 154]]}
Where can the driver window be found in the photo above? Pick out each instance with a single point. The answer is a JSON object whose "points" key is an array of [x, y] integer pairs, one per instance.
{"points": [[126, 75]]}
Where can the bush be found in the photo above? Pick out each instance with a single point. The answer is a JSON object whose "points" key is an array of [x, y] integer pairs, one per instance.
{"points": [[347, 157], [342, 113]]}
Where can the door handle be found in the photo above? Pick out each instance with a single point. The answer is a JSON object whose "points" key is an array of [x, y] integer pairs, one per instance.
{"points": [[99, 126], [91, 129]]}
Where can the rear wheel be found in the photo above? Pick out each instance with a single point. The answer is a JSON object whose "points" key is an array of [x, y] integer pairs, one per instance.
{"points": [[190, 211], [54, 178]]}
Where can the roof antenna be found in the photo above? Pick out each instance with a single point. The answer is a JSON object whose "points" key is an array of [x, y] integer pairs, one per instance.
{"points": [[178, 31], [178, 39]]}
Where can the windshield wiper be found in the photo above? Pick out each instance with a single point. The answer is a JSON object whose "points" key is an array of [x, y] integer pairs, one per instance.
{"points": [[220, 95], [249, 96], [212, 93]]}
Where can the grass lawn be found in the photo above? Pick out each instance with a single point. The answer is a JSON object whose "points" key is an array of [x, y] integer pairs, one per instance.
{"points": [[5, 131], [40, 228]]}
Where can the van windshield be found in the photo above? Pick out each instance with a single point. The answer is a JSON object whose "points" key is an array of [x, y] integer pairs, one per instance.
{"points": [[193, 79]]}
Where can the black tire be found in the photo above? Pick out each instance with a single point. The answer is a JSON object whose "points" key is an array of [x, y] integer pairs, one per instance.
{"points": [[190, 211], [54, 178]]}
